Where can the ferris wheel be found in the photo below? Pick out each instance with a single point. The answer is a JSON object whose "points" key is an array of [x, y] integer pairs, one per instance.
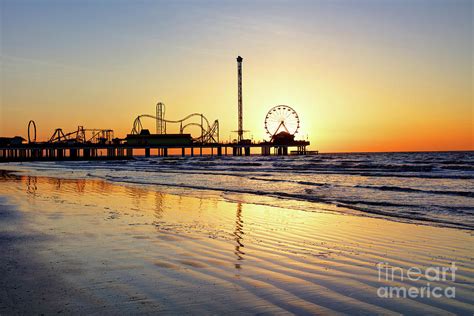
{"points": [[282, 118]]}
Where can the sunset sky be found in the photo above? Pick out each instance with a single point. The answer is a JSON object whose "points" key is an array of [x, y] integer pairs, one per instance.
{"points": [[381, 75]]}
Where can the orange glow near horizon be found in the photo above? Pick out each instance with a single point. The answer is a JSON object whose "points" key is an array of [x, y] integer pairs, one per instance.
{"points": [[354, 88]]}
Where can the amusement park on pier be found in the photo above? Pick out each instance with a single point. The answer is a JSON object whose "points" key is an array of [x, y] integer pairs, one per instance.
{"points": [[281, 124]]}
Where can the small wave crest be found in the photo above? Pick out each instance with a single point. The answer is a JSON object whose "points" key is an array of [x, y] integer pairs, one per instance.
{"points": [[405, 189]]}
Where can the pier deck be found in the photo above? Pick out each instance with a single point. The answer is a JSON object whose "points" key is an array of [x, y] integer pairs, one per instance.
{"points": [[82, 151]]}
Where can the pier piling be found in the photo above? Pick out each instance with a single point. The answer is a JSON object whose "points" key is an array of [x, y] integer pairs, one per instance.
{"points": [[64, 151]]}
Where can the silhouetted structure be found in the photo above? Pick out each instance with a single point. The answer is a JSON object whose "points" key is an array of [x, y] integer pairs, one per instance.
{"points": [[240, 129], [209, 132], [11, 141], [145, 138], [160, 117], [281, 122], [281, 118]]}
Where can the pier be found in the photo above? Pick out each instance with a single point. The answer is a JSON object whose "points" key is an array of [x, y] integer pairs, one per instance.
{"points": [[281, 124], [78, 151]]}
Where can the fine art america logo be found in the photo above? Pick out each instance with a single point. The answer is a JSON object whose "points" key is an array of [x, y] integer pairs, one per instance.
{"points": [[421, 278]]}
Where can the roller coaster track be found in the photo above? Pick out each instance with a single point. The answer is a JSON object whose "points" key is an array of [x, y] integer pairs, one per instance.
{"points": [[81, 135], [209, 133]]}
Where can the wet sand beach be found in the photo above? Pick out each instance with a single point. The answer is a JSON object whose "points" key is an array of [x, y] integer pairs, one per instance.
{"points": [[90, 246]]}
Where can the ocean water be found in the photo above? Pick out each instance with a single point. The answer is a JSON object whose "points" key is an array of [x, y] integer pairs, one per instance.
{"points": [[430, 188]]}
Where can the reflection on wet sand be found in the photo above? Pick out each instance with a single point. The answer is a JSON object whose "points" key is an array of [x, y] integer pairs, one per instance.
{"points": [[137, 195], [238, 233], [31, 185], [159, 204], [128, 249]]}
